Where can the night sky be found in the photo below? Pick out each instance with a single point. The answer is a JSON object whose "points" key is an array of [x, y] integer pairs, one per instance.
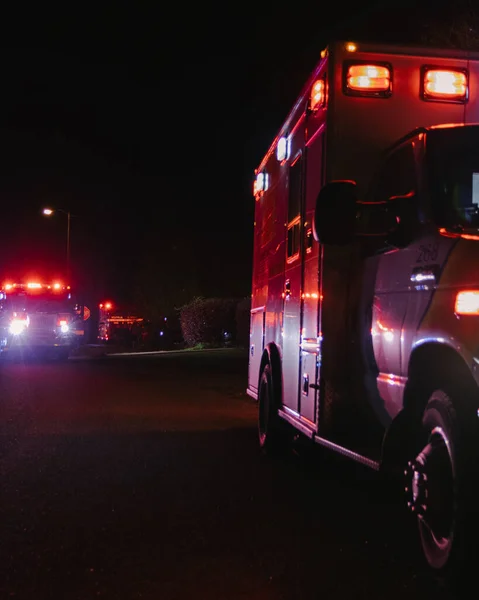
{"points": [[147, 123]]}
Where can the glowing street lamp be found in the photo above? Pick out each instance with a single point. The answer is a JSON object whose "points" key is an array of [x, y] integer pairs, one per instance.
{"points": [[48, 212]]}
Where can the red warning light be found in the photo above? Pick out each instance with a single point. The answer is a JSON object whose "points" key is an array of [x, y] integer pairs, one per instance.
{"points": [[444, 84], [369, 78]]}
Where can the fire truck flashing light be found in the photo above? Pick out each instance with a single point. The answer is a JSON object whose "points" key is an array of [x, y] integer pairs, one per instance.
{"points": [[35, 285]]}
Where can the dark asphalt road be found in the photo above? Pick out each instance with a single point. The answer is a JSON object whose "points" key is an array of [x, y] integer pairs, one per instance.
{"points": [[140, 478]]}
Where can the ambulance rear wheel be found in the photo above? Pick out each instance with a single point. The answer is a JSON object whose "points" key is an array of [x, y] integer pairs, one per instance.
{"points": [[272, 431], [441, 486]]}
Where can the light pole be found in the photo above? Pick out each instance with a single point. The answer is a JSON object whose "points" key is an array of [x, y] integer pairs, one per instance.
{"points": [[48, 212]]}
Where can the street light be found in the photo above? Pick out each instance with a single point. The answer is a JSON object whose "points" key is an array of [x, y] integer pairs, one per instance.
{"points": [[48, 212]]}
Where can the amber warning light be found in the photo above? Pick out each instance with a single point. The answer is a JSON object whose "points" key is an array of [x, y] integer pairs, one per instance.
{"points": [[443, 84], [317, 94], [369, 78]]}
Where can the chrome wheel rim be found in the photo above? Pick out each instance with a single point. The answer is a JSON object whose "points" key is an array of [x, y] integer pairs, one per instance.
{"points": [[431, 491]]}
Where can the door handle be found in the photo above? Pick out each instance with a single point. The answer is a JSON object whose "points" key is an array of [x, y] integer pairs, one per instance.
{"points": [[287, 288]]}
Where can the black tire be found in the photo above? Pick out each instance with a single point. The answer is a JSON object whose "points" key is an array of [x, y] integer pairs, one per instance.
{"points": [[442, 484], [272, 431]]}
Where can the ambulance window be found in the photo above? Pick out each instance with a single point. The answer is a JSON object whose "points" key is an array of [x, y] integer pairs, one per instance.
{"points": [[294, 239], [294, 198], [453, 177], [294, 209], [398, 175]]}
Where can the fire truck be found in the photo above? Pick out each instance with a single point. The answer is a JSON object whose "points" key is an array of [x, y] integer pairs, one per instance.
{"points": [[364, 332], [116, 326], [39, 319]]}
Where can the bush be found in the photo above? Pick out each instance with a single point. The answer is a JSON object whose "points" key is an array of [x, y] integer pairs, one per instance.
{"points": [[208, 321]]}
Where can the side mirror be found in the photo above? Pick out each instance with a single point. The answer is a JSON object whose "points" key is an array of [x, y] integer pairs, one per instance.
{"points": [[395, 220], [335, 214], [409, 224], [376, 219]]}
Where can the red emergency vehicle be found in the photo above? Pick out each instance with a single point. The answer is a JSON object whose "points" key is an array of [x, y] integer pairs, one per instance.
{"points": [[39, 318], [119, 326], [365, 302]]}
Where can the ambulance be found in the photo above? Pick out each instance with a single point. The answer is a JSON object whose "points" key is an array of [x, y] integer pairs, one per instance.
{"points": [[364, 333]]}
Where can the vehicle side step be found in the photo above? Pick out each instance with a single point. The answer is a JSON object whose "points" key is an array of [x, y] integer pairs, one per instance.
{"points": [[364, 460], [305, 427]]}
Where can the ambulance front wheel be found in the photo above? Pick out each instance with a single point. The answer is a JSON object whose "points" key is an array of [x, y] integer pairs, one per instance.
{"points": [[440, 485], [272, 431]]}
